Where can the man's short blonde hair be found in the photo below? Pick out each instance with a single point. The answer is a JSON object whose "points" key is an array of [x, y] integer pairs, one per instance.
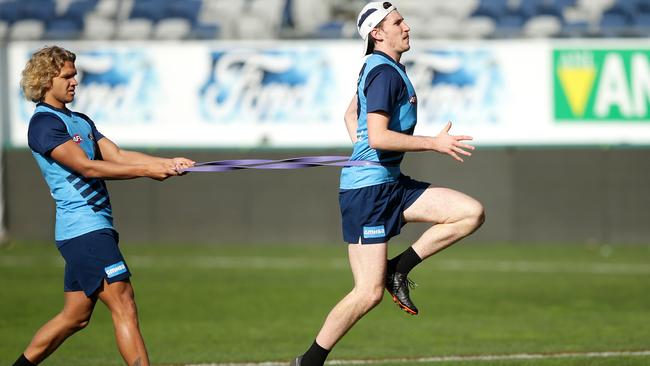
{"points": [[44, 65]]}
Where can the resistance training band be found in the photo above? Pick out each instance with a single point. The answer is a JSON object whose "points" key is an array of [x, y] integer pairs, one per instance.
{"points": [[291, 163]]}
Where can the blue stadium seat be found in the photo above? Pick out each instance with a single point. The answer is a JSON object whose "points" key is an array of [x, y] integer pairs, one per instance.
{"points": [[332, 29], [563, 4], [643, 6], [78, 10], [186, 9], [614, 23], [9, 11], [62, 28], [550, 9], [491, 8], [630, 5], [153, 10], [642, 24], [42, 10], [509, 25], [528, 7], [205, 31], [627, 7], [575, 29]]}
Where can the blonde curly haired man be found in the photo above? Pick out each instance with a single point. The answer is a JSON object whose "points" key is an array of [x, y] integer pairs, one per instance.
{"points": [[75, 159]]}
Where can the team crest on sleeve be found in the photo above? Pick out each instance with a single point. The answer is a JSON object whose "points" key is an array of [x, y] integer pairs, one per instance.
{"points": [[413, 100], [76, 138]]}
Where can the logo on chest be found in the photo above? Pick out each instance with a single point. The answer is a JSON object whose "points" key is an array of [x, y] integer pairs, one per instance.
{"points": [[76, 138]]}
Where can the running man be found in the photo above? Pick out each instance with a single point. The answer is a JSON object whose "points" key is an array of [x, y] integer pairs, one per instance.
{"points": [[376, 201], [75, 158]]}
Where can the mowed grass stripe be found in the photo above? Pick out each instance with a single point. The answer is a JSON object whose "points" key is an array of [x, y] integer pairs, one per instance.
{"points": [[264, 263]]}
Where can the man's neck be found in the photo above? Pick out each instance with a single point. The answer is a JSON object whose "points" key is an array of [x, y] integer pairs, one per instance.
{"points": [[390, 53], [54, 102]]}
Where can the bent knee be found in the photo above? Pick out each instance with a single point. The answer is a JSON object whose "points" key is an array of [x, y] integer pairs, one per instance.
{"points": [[376, 297], [479, 214], [76, 323], [475, 215], [370, 298], [82, 324]]}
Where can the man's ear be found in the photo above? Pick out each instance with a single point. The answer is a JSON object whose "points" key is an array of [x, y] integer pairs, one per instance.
{"points": [[374, 33]]}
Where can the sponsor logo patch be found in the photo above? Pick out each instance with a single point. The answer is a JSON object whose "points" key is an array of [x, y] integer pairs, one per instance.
{"points": [[115, 269], [374, 231], [603, 85]]}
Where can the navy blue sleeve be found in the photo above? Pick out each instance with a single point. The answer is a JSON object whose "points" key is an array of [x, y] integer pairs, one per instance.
{"points": [[46, 131], [96, 134], [383, 89]]}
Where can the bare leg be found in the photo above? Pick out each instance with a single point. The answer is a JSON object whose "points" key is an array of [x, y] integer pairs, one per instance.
{"points": [[120, 300], [368, 263], [454, 215], [75, 316]]}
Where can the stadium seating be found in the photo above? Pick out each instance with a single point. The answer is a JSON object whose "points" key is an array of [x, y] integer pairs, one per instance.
{"points": [[642, 24], [37, 9], [172, 28], [98, 27], [614, 22], [27, 29], [9, 11], [477, 27], [148, 9], [62, 28], [542, 26], [261, 19]]}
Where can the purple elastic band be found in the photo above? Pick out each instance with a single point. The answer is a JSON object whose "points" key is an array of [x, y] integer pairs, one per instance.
{"points": [[291, 163]]}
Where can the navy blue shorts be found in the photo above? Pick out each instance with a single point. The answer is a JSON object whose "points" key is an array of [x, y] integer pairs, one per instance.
{"points": [[374, 214], [90, 258]]}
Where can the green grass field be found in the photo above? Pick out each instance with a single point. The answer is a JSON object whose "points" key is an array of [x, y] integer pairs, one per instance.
{"points": [[220, 304]]}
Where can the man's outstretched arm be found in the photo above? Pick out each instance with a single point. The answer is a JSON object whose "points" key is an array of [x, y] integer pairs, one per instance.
{"points": [[73, 157], [113, 153], [381, 138]]}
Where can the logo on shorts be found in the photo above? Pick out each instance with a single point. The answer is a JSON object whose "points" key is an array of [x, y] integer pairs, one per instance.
{"points": [[115, 269], [374, 231], [76, 138]]}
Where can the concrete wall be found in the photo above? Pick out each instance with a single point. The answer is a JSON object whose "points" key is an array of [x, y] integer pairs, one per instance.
{"points": [[4, 116], [531, 195]]}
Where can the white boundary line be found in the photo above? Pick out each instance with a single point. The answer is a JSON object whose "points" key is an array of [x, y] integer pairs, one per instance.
{"points": [[438, 359]]}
